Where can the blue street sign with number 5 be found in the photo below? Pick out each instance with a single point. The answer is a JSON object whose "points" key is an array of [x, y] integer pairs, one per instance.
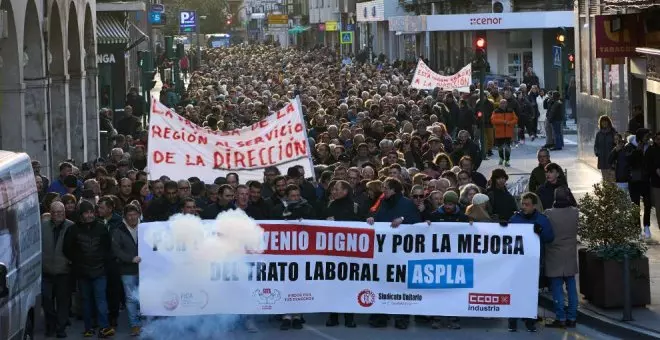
{"points": [[346, 37], [556, 56]]}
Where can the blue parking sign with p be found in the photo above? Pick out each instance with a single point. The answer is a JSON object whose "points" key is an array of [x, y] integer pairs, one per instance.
{"points": [[187, 21]]}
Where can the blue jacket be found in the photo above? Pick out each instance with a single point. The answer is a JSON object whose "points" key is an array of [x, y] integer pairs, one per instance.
{"points": [[395, 207], [546, 235], [59, 187]]}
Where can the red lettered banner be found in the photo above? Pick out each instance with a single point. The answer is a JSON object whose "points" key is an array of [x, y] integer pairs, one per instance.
{"points": [[426, 79], [179, 149], [313, 266]]}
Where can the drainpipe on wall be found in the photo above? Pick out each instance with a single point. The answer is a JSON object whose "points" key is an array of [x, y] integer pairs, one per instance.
{"points": [[51, 166]]}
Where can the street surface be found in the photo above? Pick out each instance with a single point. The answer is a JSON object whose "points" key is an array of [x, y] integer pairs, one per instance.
{"points": [[315, 329], [523, 160]]}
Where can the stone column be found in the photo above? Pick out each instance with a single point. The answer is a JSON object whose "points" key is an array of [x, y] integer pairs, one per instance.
{"points": [[59, 121], [36, 125], [92, 113], [77, 120], [12, 126]]}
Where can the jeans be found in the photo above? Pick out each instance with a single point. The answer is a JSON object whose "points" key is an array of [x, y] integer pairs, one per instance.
{"points": [[558, 297], [558, 133], [130, 283], [93, 293], [56, 292]]}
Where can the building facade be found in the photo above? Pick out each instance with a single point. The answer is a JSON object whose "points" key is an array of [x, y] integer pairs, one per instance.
{"points": [[520, 35], [52, 96], [627, 79]]}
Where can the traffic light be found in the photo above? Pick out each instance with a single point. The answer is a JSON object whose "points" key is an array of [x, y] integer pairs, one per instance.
{"points": [[571, 61], [163, 19], [169, 47], [180, 51], [561, 36], [480, 46], [229, 17]]}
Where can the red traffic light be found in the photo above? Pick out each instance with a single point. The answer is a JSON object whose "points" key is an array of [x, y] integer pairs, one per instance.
{"points": [[571, 57], [228, 22], [479, 114], [481, 43]]}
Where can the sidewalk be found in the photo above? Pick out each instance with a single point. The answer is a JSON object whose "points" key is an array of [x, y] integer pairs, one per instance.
{"points": [[581, 177]]}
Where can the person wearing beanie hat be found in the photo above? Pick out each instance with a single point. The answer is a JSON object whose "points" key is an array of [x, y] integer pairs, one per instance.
{"points": [[478, 210], [87, 247], [502, 203], [450, 210]]}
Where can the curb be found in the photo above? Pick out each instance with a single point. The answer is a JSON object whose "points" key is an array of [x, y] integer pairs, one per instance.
{"points": [[605, 324]]}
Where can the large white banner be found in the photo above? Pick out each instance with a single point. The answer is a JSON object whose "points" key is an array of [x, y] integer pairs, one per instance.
{"points": [[450, 269], [180, 149], [426, 79]]}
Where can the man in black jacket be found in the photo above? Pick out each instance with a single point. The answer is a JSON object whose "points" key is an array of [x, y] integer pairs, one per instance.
{"points": [[556, 117], [160, 209], [257, 207], [342, 208], [224, 203], [114, 291], [125, 248], [638, 184], [87, 246]]}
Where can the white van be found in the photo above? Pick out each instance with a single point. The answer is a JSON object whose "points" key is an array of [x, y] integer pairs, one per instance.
{"points": [[20, 248]]}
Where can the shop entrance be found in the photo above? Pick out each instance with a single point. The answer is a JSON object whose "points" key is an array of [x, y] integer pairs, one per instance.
{"points": [[518, 60]]}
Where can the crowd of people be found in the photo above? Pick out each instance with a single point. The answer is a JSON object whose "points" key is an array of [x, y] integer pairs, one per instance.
{"points": [[383, 152]]}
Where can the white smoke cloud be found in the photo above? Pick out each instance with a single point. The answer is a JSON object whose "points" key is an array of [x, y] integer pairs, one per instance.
{"points": [[226, 239]]}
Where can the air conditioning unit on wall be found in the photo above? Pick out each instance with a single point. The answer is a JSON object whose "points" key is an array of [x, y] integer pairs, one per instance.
{"points": [[502, 6]]}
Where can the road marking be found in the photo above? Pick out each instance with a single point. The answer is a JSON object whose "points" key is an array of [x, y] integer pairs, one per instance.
{"points": [[320, 333]]}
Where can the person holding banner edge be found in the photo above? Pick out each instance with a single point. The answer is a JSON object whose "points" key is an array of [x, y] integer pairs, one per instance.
{"points": [[395, 209], [530, 214], [342, 208]]}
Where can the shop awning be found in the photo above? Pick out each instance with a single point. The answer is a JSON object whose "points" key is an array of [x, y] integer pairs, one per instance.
{"points": [[109, 30], [638, 4]]}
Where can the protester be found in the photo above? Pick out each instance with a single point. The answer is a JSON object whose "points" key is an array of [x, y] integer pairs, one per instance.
{"points": [[55, 283], [561, 263]]}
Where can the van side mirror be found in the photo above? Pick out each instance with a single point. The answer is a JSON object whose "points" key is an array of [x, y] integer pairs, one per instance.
{"points": [[4, 288]]}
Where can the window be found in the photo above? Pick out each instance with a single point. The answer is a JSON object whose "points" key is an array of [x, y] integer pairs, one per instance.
{"points": [[596, 63], [584, 55]]}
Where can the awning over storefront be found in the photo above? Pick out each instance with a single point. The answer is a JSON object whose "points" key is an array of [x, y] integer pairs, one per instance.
{"points": [[109, 30], [622, 4]]}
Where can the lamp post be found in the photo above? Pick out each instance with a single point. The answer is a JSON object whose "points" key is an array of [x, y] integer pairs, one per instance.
{"points": [[198, 58]]}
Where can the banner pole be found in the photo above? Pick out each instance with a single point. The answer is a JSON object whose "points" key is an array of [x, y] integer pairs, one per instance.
{"points": [[309, 147]]}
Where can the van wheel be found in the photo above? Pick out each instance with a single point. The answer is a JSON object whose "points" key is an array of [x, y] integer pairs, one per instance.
{"points": [[28, 333]]}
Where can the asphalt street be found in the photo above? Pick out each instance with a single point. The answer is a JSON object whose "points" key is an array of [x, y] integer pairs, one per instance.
{"points": [[315, 329]]}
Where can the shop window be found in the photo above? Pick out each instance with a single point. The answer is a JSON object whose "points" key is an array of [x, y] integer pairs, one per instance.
{"points": [[584, 55], [596, 64]]}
